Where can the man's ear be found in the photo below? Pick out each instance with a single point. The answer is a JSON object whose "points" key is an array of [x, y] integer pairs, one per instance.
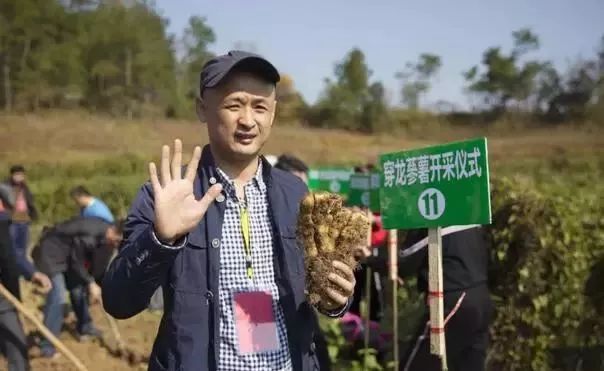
{"points": [[274, 113], [200, 109]]}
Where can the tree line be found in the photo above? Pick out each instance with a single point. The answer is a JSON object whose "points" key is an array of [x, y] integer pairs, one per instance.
{"points": [[116, 56]]}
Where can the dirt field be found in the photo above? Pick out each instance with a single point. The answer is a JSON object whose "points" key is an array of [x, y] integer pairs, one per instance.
{"points": [[138, 334]]}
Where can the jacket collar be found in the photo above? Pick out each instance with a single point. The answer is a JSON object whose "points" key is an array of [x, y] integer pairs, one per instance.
{"points": [[208, 167]]}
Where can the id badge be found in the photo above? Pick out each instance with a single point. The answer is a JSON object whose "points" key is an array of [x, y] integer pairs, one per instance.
{"points": [[255, 322]]}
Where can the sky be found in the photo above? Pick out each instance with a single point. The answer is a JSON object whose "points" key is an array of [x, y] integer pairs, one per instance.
{"points": [[305, 39]]}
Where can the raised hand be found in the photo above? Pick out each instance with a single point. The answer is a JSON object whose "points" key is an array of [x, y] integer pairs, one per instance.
{"points": [[177, 211]]}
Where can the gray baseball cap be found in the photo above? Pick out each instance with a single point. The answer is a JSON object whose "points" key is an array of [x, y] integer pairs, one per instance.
{"points": [[216, 69]]}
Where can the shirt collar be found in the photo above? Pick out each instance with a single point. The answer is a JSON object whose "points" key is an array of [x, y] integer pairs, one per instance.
{"points": [[229, 185]]}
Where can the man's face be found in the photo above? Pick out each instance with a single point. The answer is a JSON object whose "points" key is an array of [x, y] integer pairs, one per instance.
{"points": [[80, 201], [18, 177], [113, 237], [239, 114]]}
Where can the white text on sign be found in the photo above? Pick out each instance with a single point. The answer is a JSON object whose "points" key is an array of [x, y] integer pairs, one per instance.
{"points": [[447, 166]]}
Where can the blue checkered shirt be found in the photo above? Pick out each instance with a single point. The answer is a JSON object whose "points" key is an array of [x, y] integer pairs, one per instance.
{"points": [[233, 277]]}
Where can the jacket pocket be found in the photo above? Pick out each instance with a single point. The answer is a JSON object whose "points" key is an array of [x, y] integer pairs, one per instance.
{"points": [[189, 273]]}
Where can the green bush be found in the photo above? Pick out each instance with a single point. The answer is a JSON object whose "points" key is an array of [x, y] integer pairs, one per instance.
{"points": [[114, 180], [546, 269], [543, 250]]}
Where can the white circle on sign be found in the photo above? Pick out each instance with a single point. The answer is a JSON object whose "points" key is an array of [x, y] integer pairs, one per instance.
{"points": [[431, 203], [365, 198], [334, 186]]}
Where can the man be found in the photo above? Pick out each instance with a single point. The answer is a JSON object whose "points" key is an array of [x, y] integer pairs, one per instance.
{"points": [[222, 240], [293, 165], [91, 206], [13, 343], [23, 213], [61, 254], [298, 168], [467, 302]]}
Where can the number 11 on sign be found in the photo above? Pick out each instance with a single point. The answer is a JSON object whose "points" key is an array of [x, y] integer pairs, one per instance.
{"points": [[431, 203]]}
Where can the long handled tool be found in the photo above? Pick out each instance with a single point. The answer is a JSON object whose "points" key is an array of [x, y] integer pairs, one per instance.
{"points": [[47, 334], [116, 333]]}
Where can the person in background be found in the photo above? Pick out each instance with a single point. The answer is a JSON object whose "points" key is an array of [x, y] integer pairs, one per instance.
{"points": [[297, 167], [13, 342], [23, 213], [293, 165], [91, 206], [467, 301], [62, 253]]}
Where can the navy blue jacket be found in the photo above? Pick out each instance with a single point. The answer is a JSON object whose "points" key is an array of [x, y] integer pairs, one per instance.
{"points": [[188, 336]]}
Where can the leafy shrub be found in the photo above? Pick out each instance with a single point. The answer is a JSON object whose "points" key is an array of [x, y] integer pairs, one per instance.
{"points": [[543, 250]]}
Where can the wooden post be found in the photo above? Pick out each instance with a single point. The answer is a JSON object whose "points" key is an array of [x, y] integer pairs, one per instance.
{"points": [[368, 277], [393, 263], [435, 295], [116, 333], [47, 334]]}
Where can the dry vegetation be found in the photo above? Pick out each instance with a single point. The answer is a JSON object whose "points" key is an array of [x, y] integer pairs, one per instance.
{"points": [[75, 137]]}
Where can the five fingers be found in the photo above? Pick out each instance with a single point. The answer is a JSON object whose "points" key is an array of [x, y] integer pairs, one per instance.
{"points": [[172, 170]]}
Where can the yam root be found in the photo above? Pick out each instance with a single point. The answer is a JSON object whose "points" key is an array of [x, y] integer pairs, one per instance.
{"points": [[328, 231]]}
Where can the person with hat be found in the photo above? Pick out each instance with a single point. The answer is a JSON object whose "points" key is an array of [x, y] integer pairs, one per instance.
{"points": [[219, 236]]}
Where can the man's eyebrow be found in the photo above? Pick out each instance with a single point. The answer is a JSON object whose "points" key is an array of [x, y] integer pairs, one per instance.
{"points": [[260, 100], [237, 98]]}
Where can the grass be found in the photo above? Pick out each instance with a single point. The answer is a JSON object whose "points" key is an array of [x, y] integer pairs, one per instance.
{"points": [[62, 149], [76, 137]]}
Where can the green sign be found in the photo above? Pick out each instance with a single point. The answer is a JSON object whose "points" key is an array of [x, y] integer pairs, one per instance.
{"points": [[364, 191], [436, 186], [360, 190], [374, 197], [335, 180]]}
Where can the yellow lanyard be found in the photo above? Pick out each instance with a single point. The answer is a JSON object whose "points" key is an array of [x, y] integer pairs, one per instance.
{"points": [[245, 230]]}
